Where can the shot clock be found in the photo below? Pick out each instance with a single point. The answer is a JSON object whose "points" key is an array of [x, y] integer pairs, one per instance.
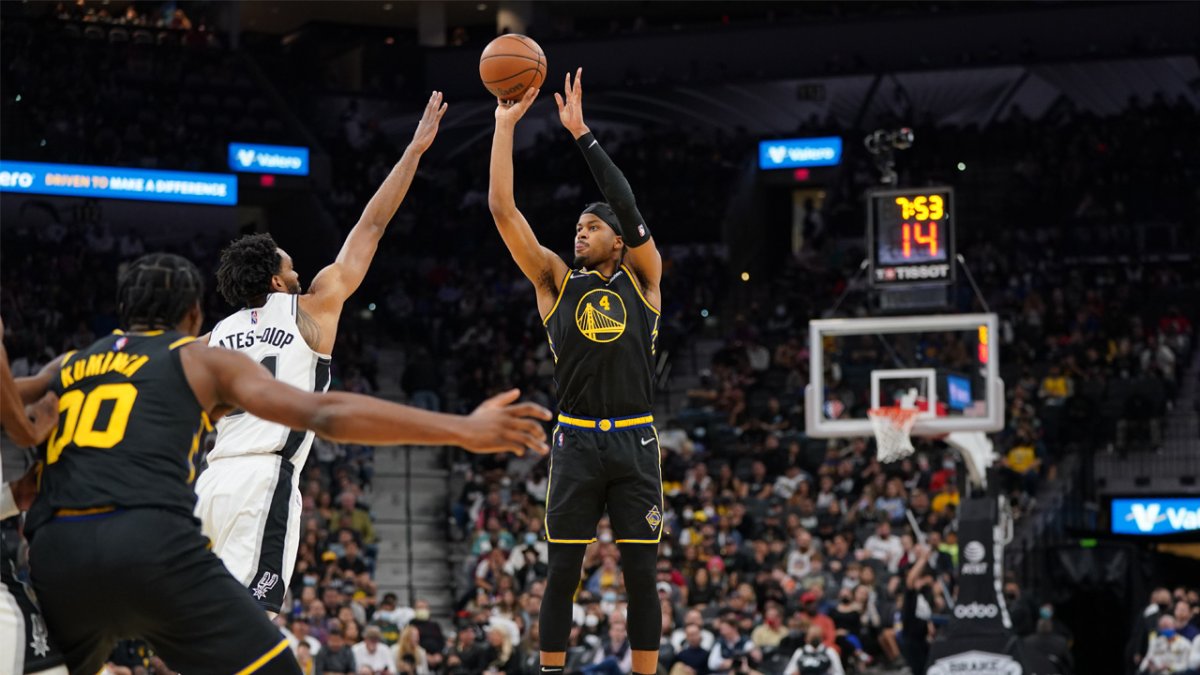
{"points": [[910, 236]]}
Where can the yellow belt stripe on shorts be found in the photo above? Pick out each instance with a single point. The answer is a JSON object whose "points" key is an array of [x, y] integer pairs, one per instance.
{"points": [[606, 424]]}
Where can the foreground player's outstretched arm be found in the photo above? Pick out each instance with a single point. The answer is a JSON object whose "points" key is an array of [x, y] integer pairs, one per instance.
{"points": [[224, 379], [641, 252], [13, 417], [539, 264], [337, 282]]}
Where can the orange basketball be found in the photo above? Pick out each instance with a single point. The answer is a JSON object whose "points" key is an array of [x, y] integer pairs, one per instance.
{"points": [[510, 65]]}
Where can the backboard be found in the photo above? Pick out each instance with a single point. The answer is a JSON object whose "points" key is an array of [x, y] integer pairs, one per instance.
{"points": [[947, 365]]}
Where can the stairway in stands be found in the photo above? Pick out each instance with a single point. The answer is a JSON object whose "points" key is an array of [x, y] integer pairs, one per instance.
{"points": [[410, 501], [1176, 465]]}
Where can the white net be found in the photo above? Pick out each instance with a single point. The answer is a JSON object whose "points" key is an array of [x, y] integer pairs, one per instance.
{"points": [[893, 426]]}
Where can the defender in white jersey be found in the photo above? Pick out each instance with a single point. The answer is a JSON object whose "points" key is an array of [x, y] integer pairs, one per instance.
{"points": [[249, 498]]}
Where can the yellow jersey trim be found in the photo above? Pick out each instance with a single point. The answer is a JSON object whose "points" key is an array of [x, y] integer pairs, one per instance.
{"points": [[68, 513], [181, 342], [605, 424], [584, 270], [262, 660], [148, 333], [562, 288], [638, 287]]}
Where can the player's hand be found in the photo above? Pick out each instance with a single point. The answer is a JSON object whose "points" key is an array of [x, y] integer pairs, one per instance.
{"points": [[24, 489], [427, 128], [510, 112], [570, 105], [500, 424], [44, 415]]}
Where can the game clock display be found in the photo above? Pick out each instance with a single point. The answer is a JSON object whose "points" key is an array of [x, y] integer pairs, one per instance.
{"points": [[910, 236]]}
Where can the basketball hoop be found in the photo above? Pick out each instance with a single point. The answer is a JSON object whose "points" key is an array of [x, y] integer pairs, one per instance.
{"points": [[892, 425]]}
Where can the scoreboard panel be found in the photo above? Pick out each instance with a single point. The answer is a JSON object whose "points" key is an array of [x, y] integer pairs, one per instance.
{"points": [[910, 236]]}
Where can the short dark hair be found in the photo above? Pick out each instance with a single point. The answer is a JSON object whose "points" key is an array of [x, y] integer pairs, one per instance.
{"points": [[247, 266], [157, 290]]}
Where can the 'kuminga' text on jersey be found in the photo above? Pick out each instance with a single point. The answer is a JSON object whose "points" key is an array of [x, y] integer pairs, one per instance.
{"points": [[603, 333], [270, 336], [129, 428]]}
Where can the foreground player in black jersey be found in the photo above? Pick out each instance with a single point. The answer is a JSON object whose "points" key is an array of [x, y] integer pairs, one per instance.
{"points": [[115, 550], [601, 317]]}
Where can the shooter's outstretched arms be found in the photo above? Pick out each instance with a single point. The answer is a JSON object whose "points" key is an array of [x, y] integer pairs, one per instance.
{"points": [[539, 264], [337, 282], [642, 254], [224, 379]]}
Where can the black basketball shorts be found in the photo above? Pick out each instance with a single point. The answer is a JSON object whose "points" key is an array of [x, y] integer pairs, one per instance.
{"points": [[608, 464], [148, 573]]}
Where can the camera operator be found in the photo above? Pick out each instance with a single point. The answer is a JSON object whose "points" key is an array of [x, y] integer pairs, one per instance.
{"points": [[733, 653]]}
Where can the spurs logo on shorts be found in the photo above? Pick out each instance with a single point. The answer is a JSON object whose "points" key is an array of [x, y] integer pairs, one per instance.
{"points": [[654, 517], [40, 644], [265, 583]]}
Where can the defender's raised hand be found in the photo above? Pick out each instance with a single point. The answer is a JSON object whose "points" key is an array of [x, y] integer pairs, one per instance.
{"points": [[510, 112], [500, 425], [427, 128], [570, 105]]}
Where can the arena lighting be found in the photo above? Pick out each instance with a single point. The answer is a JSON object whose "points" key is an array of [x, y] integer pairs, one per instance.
{"points": [[110, 182], [792, 153], [258, 158], [1152, 515]]}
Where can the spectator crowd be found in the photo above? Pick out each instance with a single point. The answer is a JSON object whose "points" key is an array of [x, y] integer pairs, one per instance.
{"points": [[781, 553]]}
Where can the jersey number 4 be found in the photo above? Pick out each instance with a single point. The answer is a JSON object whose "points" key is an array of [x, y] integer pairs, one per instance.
{"points": [[80, 411]]}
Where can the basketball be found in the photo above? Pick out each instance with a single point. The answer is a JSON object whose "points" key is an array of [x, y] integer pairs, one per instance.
{"points": [[510, 65]]}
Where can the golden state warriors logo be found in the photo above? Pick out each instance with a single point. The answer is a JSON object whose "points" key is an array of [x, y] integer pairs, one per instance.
{"points": [[654, 517], [600, 315]]}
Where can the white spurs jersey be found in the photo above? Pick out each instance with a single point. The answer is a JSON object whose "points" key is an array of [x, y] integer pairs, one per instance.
{"points": [[269, 335]]}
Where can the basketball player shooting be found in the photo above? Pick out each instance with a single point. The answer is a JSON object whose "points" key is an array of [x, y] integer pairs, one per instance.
{"points": [[249, 498], [601, 316]]}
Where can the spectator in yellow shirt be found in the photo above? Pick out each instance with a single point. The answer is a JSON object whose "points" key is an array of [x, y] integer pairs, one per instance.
{"points": [[1056, 387], [772, 631], [1021, 466], [947, 497]]}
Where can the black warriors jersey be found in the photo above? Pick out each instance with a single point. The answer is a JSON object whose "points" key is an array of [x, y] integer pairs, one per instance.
{"points": [[603, 332], [128, 431]]}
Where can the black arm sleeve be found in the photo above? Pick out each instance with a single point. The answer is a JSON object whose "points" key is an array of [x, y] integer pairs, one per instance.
{"points": [[616, 190]]}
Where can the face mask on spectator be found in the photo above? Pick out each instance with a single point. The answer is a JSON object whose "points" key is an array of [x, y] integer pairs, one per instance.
{"points": [[815, 642], [591, 621], [530, 538], [605, 537], [1167, 633], [421, 615], [1046, 612]]}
